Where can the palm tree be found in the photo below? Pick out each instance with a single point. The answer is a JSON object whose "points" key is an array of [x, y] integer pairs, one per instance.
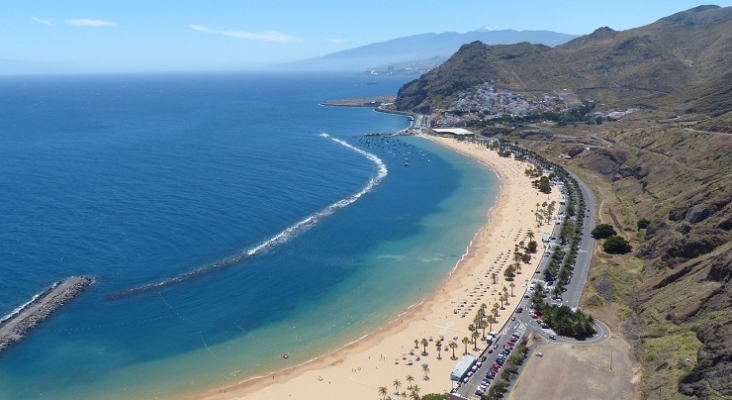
{"points": [[424, 346], [409, 379], [537, 206], [530, 233], [397, 384], [426, 370], [513, 285], [471, 327], [415, 392], [453, 346], [475, 336], [494, 276], [491, 320], [465, 342], [416, 343], [383, 391], [438, 345], [500, 298]]}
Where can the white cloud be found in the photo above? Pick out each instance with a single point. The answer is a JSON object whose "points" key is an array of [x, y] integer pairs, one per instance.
{"points": [[200, 28], [48, 22], [268, 36], [94, 23], [337, 40]]}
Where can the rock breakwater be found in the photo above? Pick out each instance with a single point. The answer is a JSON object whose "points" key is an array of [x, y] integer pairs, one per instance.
{"points": [[16, 325]]}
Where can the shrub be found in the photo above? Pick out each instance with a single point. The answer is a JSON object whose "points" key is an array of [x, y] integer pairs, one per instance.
{"points": [[603, 231], [616, 245]]}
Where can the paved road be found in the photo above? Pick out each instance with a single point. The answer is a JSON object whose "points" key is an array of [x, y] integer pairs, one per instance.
{"points": [[522, 323]]}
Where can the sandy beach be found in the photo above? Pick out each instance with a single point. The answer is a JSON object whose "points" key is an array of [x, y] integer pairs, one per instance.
{"points": [[384, 356]]}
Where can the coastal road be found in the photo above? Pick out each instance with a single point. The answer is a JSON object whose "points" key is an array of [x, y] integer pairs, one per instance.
{"points": [[522, 323]]}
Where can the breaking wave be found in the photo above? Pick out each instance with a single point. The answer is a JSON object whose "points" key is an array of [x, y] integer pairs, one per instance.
{"points": [[381, 172]]}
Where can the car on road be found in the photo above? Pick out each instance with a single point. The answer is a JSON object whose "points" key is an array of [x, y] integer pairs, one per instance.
{"points": [[520, 310], [513, 318], [552, 337]]}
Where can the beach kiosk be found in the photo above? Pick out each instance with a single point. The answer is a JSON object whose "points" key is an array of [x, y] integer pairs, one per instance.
{"points": [[462, 368]]}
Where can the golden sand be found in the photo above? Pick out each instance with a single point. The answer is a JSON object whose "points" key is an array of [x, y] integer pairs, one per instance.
{"points": [[358, 370]]}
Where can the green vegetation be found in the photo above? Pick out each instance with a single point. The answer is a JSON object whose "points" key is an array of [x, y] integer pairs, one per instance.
{"points": [[603, 231], [643, 223], [616, 245]]}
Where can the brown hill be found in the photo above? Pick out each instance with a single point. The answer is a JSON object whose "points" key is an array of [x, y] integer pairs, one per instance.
{"points": [[670, 55], [681, 181]]}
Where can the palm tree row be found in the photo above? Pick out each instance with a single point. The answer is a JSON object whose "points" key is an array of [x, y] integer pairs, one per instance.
{"points": [[397, 384]]}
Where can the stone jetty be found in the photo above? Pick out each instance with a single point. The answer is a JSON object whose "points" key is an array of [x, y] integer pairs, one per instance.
{"points": [[372, 102], [17, 325]]}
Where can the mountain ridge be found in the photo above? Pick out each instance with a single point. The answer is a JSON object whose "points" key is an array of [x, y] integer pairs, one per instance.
{"points": [[671, 54], [421, 47]]}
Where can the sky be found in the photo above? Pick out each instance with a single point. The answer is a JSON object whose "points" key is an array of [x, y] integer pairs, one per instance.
{"points": [[100, 36]]}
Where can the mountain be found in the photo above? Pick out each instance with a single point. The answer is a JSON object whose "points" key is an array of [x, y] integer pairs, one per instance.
{"points": [[418, 48], [672, 54], [664, 183]]}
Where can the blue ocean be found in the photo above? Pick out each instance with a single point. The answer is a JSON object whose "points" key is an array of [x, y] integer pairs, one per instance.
{"points": [[226, 219]]}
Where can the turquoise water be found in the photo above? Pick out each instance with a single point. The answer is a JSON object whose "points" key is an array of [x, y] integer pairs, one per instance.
{"points": [[250, 233]]}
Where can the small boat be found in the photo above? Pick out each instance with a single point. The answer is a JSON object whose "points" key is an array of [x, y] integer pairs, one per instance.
{"points": [[371, 83]]}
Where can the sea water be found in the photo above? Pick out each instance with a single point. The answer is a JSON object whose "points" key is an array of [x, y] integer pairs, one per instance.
{"points": [[226, 218]]}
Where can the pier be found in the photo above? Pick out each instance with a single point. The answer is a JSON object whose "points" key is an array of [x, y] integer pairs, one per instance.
{"points": [[16, 325]]}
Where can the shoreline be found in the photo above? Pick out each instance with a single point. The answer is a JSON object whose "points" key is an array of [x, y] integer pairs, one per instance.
{"points": [[360, 367]]}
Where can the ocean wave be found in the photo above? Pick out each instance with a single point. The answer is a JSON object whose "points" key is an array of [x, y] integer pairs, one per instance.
{"points": [[381, 173], [22, 307]]}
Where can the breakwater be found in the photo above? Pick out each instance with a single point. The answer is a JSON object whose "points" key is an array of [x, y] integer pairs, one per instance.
{"points": [[14, 326], [372, 102]]}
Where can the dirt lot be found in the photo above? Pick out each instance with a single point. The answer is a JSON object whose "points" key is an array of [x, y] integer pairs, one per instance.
{"points": [[579, 372]]}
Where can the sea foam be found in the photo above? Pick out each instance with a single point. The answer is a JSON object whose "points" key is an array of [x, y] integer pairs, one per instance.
{"points": [[281, 237]]}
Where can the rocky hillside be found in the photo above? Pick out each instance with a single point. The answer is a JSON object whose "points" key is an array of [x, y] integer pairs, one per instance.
{"points": [[681, 181], [630, 67], [669, 164]]}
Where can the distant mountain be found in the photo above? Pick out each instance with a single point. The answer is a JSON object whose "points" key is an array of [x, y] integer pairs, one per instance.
{"points": [[669, 55], [424, 49]]}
